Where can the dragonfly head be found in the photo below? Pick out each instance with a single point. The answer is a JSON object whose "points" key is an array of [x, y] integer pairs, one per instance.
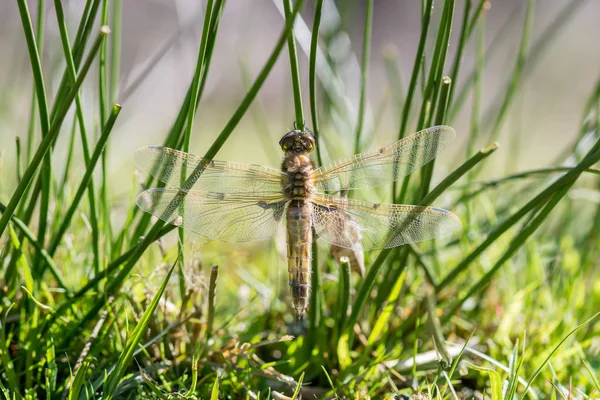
{"points": [[297, 142]]}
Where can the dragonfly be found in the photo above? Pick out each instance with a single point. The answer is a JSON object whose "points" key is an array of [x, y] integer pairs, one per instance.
{"points": [[237, 202]]}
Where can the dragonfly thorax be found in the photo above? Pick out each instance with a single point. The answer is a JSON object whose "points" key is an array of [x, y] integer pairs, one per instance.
{"points": [[299, 169]]}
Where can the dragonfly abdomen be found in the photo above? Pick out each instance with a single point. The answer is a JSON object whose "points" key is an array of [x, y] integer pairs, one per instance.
{"points": [[299, 241]]}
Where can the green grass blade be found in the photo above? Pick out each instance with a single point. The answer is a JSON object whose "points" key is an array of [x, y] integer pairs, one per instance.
{"points": [[344, 293], [36, 64], [212, 290], [436, 330], [114, 377], [41, 15], [33, 240], [115, 54], [103, 108], [12, 381], [495, 380], [554, 350], [78, 380], [86, 24], [312, 76], [385, 314], [462, 42], [366, 54], [298, 387], [38, 78], [53, 132], [425, 21], [427, 170], [295, 74], [191, 113], [98, 150], [432, 88], [19, 159], [72, 77]]}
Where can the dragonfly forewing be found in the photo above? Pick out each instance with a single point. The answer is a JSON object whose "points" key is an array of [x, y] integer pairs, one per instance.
{"points": [[385, 165], [173, 168]]}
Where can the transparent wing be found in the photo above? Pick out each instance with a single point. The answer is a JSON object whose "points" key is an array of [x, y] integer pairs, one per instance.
{"points": [[226, 217], [353, 223], [171, 166], [386, 165]]}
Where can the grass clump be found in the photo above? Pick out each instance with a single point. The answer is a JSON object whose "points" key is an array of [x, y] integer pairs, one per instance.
{"points": [[506, 309]]}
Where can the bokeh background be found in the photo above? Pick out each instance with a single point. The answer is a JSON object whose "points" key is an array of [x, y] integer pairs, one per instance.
{"points": [[160, 39]]}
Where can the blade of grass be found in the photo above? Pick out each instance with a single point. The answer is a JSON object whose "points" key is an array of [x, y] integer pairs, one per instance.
{"points": [[103, 108], [554, 350], [344, 293], [84, 31], [532, 173], [114, 377], [33, 240], [316, 306], [19, 160], [386, 312], [433, 80], [191, 112], [366, 54], [295, 75], [115, 54], [316, 298], [427, 170], [312, 77], [495, 380], [425, 21], [38, 78], [462, 42], [212, 290], [12, 382], [214, 394], [72, 77], [78, 381], [41, 15], [106, 273], [53, 132], [85, 181]]}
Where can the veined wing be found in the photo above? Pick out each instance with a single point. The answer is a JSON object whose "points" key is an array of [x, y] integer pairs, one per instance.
{"points": [[353, 223], [173, 167], [226, 217], [386, 165]]}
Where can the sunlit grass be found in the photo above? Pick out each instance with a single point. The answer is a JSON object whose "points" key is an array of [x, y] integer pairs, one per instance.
{"points": [[507, 308]]}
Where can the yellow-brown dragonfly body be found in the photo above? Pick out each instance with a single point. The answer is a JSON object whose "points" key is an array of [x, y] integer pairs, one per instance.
{"points": [[236, 202]]}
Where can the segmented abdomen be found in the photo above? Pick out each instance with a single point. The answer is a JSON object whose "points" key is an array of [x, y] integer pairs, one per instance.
{"points": [[299, 241]]}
